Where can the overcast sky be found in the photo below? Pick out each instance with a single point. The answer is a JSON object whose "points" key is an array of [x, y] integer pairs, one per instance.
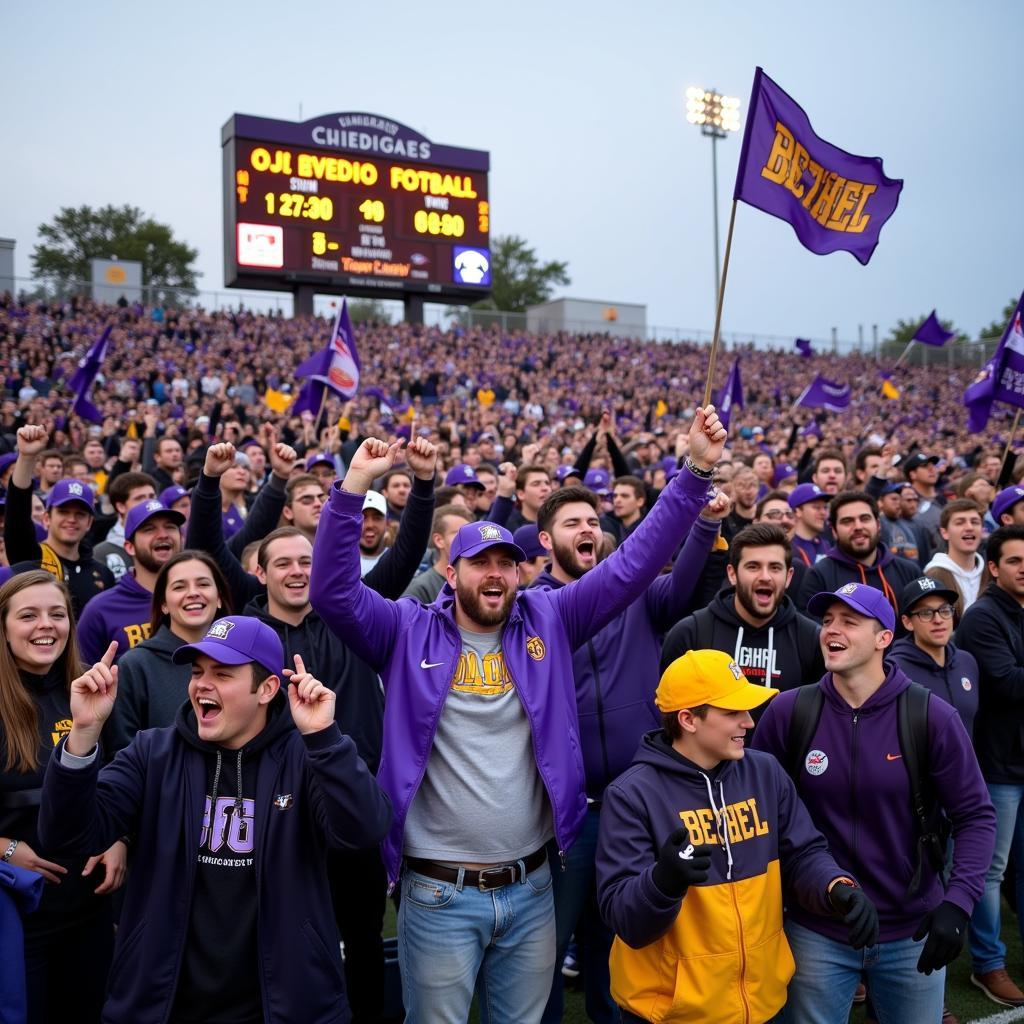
{"points": [[582, 108]]}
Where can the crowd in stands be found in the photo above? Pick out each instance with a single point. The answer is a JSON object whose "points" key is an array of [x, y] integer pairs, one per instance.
{"points": [[411, 644]]}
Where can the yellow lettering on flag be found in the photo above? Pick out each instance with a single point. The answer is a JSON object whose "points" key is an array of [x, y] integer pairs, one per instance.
{"points": [[776, 167], [276, 401]]}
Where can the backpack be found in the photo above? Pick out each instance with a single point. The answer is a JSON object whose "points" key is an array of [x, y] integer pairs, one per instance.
{"points": [[933, 827]]}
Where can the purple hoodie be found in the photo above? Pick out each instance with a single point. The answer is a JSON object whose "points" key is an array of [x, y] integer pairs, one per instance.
{"points": [[416, 649], [858, 794], [120, 614]]}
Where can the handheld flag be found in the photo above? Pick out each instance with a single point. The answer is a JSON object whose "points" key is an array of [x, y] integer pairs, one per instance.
{"points": [[336, 366], [931, 332], [889, 390], [732, 394], [833, 199], [1002, 379], [803, 346], [825, 393], [82, 379]]}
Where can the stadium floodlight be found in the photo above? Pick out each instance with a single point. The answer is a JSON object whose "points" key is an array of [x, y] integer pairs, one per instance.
{"points": [[716, 115]]}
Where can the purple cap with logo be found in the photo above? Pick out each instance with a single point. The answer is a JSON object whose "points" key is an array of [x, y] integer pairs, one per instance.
{"points": [[861, 598], [476, 537], [783, 471], [564, 472], [139, 514], [528, 539], [462, 475], [8, 460], [66, 491], [169, 495], [1005, 500], [803, 493], [236, 640], [320, 459], [597, 480]]}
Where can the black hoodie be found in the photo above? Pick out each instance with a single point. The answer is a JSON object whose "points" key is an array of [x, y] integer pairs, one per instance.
{"points": [[788, 642]]}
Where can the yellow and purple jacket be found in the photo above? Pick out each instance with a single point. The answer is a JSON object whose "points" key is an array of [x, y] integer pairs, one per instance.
{"points": [[719, 954]]}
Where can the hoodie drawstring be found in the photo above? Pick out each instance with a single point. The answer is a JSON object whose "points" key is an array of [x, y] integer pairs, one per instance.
{"points": [[890, 594], [239, 804], [721, 824], [216, 781], [739, 646]]}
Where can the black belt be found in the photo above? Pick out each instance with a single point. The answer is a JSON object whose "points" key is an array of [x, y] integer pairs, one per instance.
{"points": [[486, 878]]}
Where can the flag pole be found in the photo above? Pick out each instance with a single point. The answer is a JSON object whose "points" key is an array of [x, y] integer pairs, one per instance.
{"points": [[718, 311], [319, 414], [903, 354], [1013, 433]]}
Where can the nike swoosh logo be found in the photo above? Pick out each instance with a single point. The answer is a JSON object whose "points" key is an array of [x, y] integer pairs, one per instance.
{"points": [[430, 664], [893, 757]]}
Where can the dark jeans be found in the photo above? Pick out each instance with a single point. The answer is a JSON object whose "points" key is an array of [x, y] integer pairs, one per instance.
{"points": [[66, 972], [358, 895]]}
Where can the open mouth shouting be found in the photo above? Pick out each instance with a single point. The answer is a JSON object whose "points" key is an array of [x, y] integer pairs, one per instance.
{"points": [[208, 710], [586, 551]]}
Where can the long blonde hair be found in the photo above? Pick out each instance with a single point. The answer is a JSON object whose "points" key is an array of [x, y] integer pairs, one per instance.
{"points": [[19, 718]]}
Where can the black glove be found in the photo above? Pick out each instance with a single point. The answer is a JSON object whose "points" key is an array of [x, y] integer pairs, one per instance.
{"points": [[680, 864], [946, 928], [859, 914]]}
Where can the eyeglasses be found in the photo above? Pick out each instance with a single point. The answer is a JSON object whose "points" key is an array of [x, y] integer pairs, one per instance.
{"points": [[779, 514], [944, 611]]}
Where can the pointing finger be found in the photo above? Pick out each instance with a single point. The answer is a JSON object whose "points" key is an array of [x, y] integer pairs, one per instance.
{"points": [[300, 668], [110, 655]]}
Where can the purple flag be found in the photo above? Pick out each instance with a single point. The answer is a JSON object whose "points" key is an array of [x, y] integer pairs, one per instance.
{"points": [[932, 333], [832, 199], [822, 392], [803, 346], [731, 395], [337, 365], [1003, 377], [310, 398], [82, 379], [812, 428]]}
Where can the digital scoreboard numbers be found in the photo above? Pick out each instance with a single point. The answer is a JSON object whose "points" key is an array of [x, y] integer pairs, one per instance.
{"points": [[353, 202]]}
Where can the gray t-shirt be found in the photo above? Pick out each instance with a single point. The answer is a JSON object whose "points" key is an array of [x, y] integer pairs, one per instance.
{"points": [[482, 799]]}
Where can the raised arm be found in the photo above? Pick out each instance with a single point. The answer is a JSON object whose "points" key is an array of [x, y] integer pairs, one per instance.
{"points": [[19, 530], [269, 504]]}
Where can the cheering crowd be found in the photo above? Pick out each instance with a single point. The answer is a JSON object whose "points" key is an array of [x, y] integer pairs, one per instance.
{"points": [[522, 636]]}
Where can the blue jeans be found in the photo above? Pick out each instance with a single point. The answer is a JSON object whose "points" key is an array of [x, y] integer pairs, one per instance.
{"points": [[453, 939], [576, 904], [828, 972], [987, 949]]}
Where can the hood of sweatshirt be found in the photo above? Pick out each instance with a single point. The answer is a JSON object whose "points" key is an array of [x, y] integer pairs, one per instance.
{"points": [[885, 556], [971, 576]]}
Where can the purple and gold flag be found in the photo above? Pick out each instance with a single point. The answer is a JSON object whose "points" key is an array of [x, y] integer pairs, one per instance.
{"points": [[1002, 379], [824, 393], [337, 365], [931, 332], [833, 199]]}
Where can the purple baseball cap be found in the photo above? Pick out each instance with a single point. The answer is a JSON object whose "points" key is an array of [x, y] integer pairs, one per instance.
{"points": [[861, 598], [783, 471], [476, 537], [236, 640], [527, 538], [1005, 500], [8, 460], [249, 442], [803, 493], [144, 511], [169, 495], [564, 472], [66, 491], [597, 480], [318, 459], [462, 475]]}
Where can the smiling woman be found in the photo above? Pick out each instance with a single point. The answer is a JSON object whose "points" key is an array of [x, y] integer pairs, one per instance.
{"points": [[38, 660]]}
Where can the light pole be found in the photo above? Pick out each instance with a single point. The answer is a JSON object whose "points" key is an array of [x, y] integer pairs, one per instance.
{"points": [[717, 115]]}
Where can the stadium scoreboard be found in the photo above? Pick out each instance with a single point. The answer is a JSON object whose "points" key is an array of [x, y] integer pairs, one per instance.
{"points": [[354, 203]]}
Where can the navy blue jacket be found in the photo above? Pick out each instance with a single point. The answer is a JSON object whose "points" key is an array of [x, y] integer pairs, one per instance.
{"points": [[312, 792], [956, 682]]}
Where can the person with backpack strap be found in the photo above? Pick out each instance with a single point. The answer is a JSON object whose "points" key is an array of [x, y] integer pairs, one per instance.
{"points": [[864, 742]]}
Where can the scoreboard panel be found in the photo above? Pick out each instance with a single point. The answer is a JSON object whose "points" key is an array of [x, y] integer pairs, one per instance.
{"points": [[353, 202]]}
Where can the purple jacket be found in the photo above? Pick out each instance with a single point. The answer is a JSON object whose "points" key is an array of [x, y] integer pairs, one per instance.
{"points": [[121, 613], [416, 649], [616, 670], [858, 794]]}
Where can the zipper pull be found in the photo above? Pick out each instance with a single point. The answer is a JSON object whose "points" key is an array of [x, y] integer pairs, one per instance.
{"points": [[561, 858]]}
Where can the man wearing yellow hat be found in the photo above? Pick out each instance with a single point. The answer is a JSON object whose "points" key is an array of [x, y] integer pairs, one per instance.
{"points": [[697, 909]]}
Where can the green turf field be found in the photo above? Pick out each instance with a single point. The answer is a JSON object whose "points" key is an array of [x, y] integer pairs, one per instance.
{"points": [[966, 1001]]}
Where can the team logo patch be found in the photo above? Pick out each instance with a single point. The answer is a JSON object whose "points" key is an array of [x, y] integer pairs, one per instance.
{"points": [[283, 801], [220, 629], [154, 506], [76, 490], [816, 762], [850, 588], [966, 683], [535, 648], [490, 533], [736, 671]]}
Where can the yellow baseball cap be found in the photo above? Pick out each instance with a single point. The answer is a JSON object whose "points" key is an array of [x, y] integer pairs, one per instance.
{"points": [[708, 677]]}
